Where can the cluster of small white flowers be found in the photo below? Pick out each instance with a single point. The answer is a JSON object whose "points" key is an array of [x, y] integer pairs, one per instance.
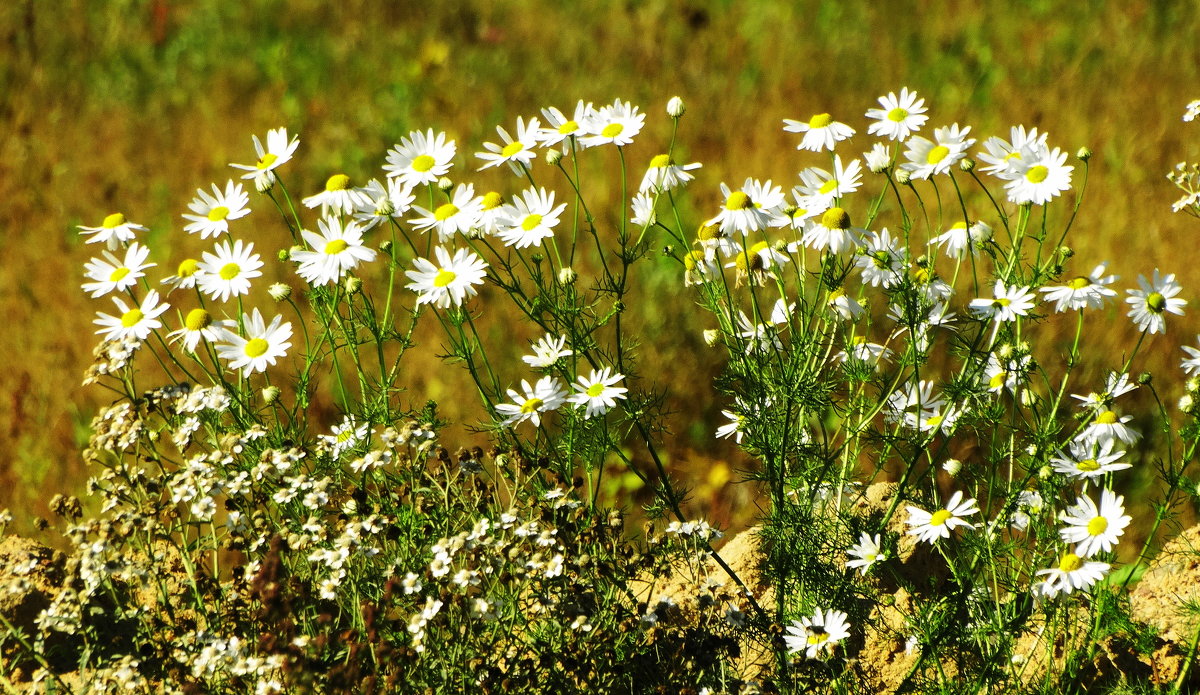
{"points": [[214, 658], [699, 530]]}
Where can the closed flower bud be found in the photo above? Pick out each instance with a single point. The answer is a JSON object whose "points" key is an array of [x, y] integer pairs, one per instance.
{"points": [[967, 164], [1145, 378], [444, 184], [675, 107], [711, 336], [1187, 404], [353, 284], [553, 157], [567, 275], [385, 246], [952, 467], [1084, 154], [903, 177], [1029, 398], [279, 291], [270, 394]]}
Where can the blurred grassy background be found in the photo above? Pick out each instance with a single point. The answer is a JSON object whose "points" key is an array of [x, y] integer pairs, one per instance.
{"points": [[131, 105]]}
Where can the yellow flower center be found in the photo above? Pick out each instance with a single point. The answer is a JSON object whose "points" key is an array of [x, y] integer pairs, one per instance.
{"points": [[345, 435], [229, 271], [118, 274], [959, 225], [266, 161], [492, 200], [1070, 562], [883, 259], [751, 259], [1037, 174], [197, 319], [445, 212], [660, 162], [934, 421], [835, 218], [531, 222], [218, 213], [738, 200], [821, 120], [692, 259], [512, 148], [1108, 417], [132, 318], [187, 268], [1001, 302], [828, 186], [337, 182], [114, 220], [532, 405], [1088, 465], [1156, 302], [1097, 526], [1079, 283], [817, 636], [708, 232], [998, 380], [595, 390], [336, 246], [939, 517], [568, 128], [836, 295], [937, 154], [897, 114], [444, 277], [612, 130], [422, 163], [256, 347]]}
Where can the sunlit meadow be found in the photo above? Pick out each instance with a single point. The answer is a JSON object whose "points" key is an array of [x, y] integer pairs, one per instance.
{"points": [[372, 409]]}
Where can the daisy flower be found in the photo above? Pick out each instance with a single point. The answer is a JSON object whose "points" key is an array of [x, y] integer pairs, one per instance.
{"points": [[961, 239], [747, 209], [212, 213], [420, 158], [345, 436], [338, 198], [927, 158], [547, 350], [1116, 384], [598, 392], [1006, 374], [1083, 292], [820, 189], [665, 175], [734, 428], [1084, 460], [794, 216], [491, 213], [859, 351], [1007, 303], [461, 213], [227, 273], [277, 153], [931, 527], [844, 305], [821, 132], [547, 395], [451, 281], [699, 266], [529, 219], [614, 124], [1109, 427], [336, 250], [262, 345], [113, 274], [186, 274], [1039, 178], [879, 159], [1072, 572], [132, 322], [561, 129], [1150, 304], [899, 117], [113, 231], [1002, 158], [817, 634], [642, 206], [1191, 364], [196, 325], [382, 201], [517, 153], [1028, 502], [882, 261], [833, 232], [757, 262], [865, 553]]}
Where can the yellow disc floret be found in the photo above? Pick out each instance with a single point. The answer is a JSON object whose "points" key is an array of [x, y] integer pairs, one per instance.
{"points": [[132, 318], [337, 182], [612, 130], [512, 148], [1037, 174], [255, 347], [114, 220], [444, 278], [197, 319], [897, 115], [1097, 526], [821, 120], [532, 405], [531, 222], [660, 162], [595, 390], [939, 517], [187, 268], [738, 200], [835, 218], [118, 274], [218, 213], [1070, 562], [229, 271], [422, 163], [937, 154], [445, 212], [1156, 302], [336, 246]]}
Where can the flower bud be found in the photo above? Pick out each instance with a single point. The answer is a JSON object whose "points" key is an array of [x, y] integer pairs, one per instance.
{"points": [[903, 177], [279, 291], [711, 336], [1187, 404], [444, 184], [553, 156], [967, 165], [353, 284], [567, 275], [270, 394], [1084, 154], [952, 467], [385, 246], [1145, 378], [675, 107]]}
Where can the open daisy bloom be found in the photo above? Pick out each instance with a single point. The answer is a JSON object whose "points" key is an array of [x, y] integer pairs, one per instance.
{"points": [[898, 117], [133, 321], [227, 273], [818, 634], [212, 213], [1095, 528], [449, 282], [931, 527], [421, 158], [277, 152], [336, 250], [1071, 573], [821, 132], [547, 395], [1150, 304], [259, 348], [598, 393]]}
